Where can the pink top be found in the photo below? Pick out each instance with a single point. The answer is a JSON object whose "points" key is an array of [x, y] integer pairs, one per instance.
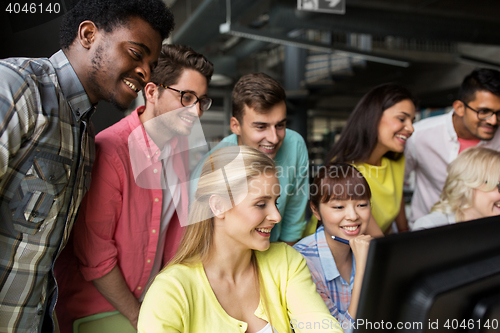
{"points": [[119, 221], [464, 144]]}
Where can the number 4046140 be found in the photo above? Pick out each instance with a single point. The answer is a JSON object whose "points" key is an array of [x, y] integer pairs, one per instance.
{"points": [[33, 8]]}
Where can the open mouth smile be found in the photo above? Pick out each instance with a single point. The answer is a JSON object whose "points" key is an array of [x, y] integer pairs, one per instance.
{"points": [[131, 85]]}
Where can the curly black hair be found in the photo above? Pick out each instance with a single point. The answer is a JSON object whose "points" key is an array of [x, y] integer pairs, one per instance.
{"points": [[107, 14]]}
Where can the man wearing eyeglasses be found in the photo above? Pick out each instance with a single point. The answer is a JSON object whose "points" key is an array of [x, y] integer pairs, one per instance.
{"points": [[129, 224], [437, 141]]}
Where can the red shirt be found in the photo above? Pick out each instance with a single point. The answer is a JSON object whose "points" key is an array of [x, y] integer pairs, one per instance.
{"points": [[119, 221]]}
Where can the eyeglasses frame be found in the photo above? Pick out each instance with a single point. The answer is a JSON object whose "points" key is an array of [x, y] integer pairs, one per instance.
{"points": [[184, 92], [493, 113]]}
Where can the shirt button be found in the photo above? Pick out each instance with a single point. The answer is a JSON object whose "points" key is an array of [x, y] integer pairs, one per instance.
{"points": [[51, 177], [77, 113], [139, 288], [149, 261], [156, 199], [155, 170], [149, 156], [40, 312], [154, 231]]}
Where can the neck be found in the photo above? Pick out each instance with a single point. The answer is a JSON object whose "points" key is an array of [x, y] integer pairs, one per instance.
{"points": [[154, 127], [376, 155], [80, 69], [341, 252], [471, 214], [460, 129], [227, 259]]}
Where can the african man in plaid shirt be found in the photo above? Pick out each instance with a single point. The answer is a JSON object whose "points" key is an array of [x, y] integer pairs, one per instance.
{"points": [[47, 142]]}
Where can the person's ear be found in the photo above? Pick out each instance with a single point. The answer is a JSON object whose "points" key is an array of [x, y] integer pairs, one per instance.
{"points": [[87, 33], [217, 206], [315, 211], [151, 92], [459, 108], [235, 126]]}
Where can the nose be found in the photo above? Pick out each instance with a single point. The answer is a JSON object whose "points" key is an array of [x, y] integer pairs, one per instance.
{"points": [[144, 72], [272, 135], [351, 214], [274, 216], [493, 120], [409, 127]]}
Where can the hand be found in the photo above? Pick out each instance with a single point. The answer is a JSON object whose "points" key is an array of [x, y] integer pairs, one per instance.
{"points": [[359, 246]]}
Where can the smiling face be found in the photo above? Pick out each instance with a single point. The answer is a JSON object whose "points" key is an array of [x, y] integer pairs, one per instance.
{"points": [[249, 223], [121, 62], [466, 122], [344, 218], [176, 118], [395, 127], [263, 131], [485, 204]]}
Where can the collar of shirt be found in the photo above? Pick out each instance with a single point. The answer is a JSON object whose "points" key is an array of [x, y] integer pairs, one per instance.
{"points": [[326, 258], [449, 126], [71, 86]]}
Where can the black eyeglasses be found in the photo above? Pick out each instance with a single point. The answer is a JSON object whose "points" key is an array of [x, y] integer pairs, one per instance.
{"points": [[189, 99], [484, 114]]}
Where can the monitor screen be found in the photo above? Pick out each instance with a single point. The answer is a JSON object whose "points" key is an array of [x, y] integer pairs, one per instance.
{"points": [[445, 278]]}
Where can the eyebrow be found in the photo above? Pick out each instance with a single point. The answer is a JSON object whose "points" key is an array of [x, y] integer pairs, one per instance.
{"points": [[408, 115], [256, 123], [265, 197]]}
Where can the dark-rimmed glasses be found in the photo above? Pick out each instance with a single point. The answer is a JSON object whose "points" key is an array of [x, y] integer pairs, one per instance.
{"points": [[484, 114], [189, 99]]}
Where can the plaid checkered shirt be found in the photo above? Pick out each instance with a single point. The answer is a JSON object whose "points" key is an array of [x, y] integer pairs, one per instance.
{"points": [[46, 156], [335, 291]]}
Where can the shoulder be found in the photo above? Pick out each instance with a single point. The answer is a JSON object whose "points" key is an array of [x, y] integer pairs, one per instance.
{"points": [[17, 72], [432, 220], [307, 244], [293, 150], [232, 138], [178, 276], [279, 257], [114, 138], [431, 123], [294, 139]]}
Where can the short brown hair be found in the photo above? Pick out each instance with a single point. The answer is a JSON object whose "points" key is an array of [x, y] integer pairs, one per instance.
{"points": [[258, 91], [174, 59]]}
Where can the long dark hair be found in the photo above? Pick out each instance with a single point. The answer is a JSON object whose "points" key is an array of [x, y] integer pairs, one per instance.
{"points": [[360, 134]]}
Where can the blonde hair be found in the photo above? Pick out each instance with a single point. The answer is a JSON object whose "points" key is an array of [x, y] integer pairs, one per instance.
{"points": [[475, 168], [196, 243]]}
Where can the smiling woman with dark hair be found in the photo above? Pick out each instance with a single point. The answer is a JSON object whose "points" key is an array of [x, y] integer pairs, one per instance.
{"points": [[373, 140]]}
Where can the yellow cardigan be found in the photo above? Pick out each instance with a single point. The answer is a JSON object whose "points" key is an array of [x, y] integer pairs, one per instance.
{"points": [[181, 299]]}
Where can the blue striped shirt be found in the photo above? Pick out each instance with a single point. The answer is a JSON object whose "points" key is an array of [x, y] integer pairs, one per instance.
{"points": [[46, 155], [335, 291]]}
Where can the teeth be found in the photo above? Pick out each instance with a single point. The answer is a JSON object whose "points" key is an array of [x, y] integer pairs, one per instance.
{"points": [[268, 147], [402, 137], [350, 228], [266, 231], [131, 85], [189, 121]]}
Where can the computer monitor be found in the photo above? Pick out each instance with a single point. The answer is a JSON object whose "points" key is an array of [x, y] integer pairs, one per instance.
{"points": [[434, 280]]}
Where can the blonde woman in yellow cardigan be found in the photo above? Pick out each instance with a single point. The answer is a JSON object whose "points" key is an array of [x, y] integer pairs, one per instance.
{"points": [[227, 276], [373, 140]]}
